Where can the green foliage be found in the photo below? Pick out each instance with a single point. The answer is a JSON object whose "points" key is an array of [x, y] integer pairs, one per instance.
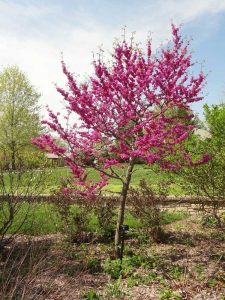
{"points": [[94, 265], [137, 279], [19, 120], [168, 217], [212, 282], [78, 219], [19, 123], [176, 272], [145, 205], [104, 209], [129, 263], [44, 218], [90, 295], [112, 267], [40, 218], [115, 290], [169, 294], [199, 268], [145, 202], [209, 221], [18, 190], [208, 179], [215, 118]]}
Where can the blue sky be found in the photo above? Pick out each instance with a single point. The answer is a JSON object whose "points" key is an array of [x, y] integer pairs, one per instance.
{"points": [[34, 33]]}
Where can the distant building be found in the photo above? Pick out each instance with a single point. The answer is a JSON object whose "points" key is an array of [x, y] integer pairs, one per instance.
{"points": [[203, 133], [55, 159]]}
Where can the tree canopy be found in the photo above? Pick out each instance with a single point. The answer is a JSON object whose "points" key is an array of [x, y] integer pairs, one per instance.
{"points": [[19, 115]]}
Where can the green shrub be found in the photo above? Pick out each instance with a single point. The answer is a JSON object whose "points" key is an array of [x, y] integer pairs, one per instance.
{"points": [[75, 217], [145, 206], [104, 209]]}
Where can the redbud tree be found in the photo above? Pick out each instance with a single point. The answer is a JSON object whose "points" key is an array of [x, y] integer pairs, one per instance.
{"points": [[124, 115]]}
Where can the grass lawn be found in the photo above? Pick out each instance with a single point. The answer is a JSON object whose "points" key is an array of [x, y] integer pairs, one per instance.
{"points": [[53, 180], [50, 179], [43, 218]]}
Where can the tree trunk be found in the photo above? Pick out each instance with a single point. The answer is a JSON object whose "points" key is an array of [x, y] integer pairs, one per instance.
{"points": [[121, 211], [13, 161]]}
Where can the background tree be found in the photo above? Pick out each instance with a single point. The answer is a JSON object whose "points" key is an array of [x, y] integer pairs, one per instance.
{"points": [[123, 111], [19, 116], [209, 179]]}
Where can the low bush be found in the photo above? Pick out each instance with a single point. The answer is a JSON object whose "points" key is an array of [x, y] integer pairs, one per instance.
{"points": [[145, 206], [75, 217], [104, 209]]}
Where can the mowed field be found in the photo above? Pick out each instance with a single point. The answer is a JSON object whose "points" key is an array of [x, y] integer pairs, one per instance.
{"points": [[153, 177]]}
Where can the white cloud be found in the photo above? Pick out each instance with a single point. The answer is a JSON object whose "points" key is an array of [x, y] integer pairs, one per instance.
{"points": [[188, 10], [33, 35]]}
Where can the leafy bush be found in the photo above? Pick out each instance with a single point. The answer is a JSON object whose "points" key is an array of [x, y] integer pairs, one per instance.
{"points": [[145, 205], [104, 208], [19, 190], [207, 181], [75, 217]]}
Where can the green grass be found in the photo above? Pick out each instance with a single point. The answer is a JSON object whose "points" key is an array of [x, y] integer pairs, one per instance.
{"points": [[131, 221], [39, 218], [33, 182], [43, 218], [51, 179], [169, 217], [150, 176]]}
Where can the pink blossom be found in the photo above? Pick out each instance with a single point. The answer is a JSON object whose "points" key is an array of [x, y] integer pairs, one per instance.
{"points": [[124, 112]]}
